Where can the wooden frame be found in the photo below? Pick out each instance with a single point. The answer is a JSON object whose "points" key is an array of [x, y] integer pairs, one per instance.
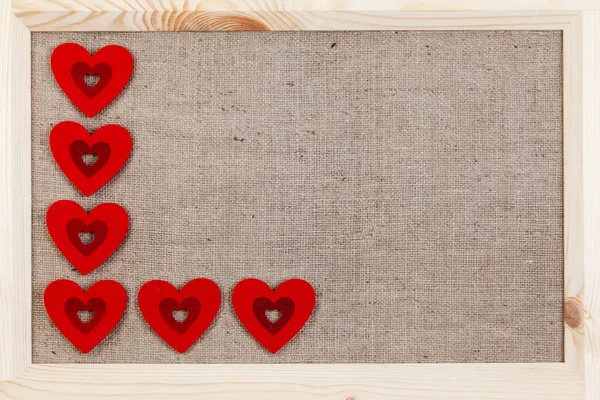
{"points": [[577, 378]]}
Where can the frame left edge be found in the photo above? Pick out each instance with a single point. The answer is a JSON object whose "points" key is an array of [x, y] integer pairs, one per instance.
{"points": [[15, 194]]}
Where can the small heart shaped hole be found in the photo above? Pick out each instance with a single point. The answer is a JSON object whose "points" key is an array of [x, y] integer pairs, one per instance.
{"points": [[85, 315], [273, 315], [180, 315], [86, 237], [89, 158], [91, 80]]}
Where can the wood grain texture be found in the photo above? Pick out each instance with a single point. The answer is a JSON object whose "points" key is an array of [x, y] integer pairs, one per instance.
{"points": [[265, 20], [210, 15], [291, 382], [582, 199], [15, 195], [423, 382], [573, 182], [303, 5], [589, 329]]}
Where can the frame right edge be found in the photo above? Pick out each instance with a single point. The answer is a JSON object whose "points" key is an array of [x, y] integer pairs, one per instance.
{"points": [[587, 327], [582, 198]]}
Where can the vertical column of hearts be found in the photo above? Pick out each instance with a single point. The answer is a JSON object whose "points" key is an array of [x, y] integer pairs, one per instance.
{"points": [[108, 223]]}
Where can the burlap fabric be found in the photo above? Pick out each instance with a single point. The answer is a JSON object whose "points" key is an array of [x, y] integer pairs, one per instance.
{"points": [[414, 178]]}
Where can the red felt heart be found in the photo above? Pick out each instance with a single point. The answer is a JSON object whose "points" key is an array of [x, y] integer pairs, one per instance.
{"points": [[294, 299], [201, 299], [112, 64], [63, 300], [69, 141], [108, 222]]}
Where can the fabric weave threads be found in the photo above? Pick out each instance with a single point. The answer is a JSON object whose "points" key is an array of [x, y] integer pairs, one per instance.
{"points": [[414, 178]]}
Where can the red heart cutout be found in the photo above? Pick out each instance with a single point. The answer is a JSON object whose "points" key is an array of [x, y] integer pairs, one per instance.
{"points": [[70, 63], [69, 141], [294, 299], [108, 222], [63, 300], [201, 299]]}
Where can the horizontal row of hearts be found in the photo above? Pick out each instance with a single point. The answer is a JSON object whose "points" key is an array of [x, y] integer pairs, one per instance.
{"points": [[199, 300]]}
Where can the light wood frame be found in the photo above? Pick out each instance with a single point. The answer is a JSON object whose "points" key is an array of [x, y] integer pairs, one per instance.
{"points": [[577, 378]]}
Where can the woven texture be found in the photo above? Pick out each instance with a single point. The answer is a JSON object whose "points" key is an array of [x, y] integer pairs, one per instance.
{"points": [[414, 178]]}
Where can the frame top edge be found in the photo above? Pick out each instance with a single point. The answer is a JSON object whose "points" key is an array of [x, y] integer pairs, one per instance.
{"points": [[275, 6]]}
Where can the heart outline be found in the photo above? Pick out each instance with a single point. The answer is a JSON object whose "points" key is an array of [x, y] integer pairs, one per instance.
{"points": [[59, 292], [299, 291], [62, 139], [64, 61], [204, 290], [115, 218]]}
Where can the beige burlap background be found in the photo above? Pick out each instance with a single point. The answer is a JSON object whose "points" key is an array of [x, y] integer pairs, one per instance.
{"points": [[414, 178]]}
